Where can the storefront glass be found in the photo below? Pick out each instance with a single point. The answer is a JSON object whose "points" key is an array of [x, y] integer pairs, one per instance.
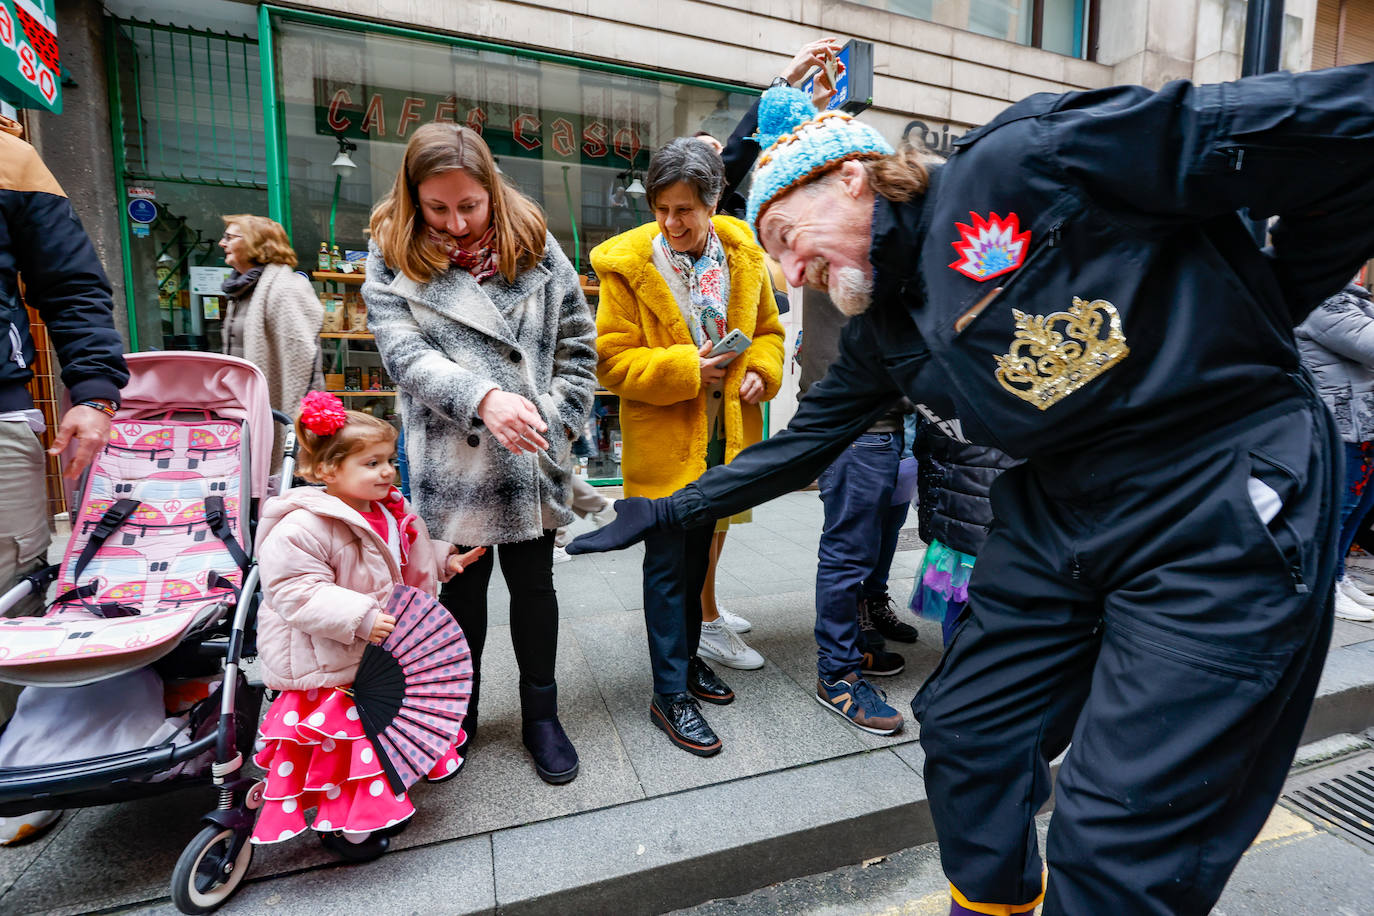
{"points": [[573, 138]]}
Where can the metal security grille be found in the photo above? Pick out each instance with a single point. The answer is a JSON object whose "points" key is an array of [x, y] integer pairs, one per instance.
{"points": [[189, 105], [1342, 798]]}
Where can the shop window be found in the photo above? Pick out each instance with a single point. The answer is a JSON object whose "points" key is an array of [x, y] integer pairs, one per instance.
{"points": [[572, 138], [575, 138], [189, 143], [1055, 25]]}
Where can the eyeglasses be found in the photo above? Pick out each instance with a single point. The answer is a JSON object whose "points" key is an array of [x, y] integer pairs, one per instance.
{"points": [[230, 237]]}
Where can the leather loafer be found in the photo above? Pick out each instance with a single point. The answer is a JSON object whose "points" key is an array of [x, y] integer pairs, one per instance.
{"points": [[704, 684], [680, 718]]}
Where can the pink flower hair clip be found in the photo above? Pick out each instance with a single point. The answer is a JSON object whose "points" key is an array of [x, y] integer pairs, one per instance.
{"points": [[322, 413]]}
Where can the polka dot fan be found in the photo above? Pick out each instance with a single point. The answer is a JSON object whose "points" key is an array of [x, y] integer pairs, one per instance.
{"points": [[412, 691]]}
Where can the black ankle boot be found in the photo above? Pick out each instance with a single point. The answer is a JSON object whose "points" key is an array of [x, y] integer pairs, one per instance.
{"points": [[555, 759]]}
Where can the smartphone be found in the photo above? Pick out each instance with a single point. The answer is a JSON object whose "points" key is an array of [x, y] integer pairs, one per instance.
{"points": [[736, 342]]}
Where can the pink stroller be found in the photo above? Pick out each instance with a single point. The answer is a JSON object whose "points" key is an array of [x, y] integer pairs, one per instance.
{"points": [[160, 572]]}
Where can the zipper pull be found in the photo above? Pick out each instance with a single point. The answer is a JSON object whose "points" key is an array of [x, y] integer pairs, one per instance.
{"points": [[1055, 234], [1075, 571], [1236, 158], [1299, 586]]}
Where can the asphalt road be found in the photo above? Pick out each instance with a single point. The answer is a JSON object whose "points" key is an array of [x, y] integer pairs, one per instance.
{"points": [[1294, 867]]}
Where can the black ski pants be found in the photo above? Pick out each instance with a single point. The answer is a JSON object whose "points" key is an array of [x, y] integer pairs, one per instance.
{"points": [[1136, 604]]}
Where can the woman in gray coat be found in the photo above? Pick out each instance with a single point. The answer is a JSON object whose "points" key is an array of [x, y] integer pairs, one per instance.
{"points": [[1337, 346], [480, 319]]}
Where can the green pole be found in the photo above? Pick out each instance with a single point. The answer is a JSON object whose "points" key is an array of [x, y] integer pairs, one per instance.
{"points": [[276, 191], [334, 210], [117, 141], [572, 215]]}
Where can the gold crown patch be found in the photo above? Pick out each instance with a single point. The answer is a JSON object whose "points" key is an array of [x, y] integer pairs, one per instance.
{"points": [[1054, 355]]}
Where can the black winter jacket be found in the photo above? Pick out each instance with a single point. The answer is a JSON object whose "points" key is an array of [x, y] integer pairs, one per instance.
{"points": [[952, 488], [1132, 309], [43, 246]]}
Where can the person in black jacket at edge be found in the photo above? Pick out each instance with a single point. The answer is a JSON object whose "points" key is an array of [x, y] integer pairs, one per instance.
{"points": [[1075, 287]]}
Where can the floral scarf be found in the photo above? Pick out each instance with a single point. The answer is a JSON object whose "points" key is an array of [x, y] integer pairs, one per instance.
{"points": [[705, 280], [480, 262]]}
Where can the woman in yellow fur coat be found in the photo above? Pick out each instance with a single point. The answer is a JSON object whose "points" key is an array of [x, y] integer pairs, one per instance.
{"points": [[669, 291]]}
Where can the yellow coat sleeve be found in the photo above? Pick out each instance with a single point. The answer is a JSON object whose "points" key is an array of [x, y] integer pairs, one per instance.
{"points": [[766, 353], [629, 364]]}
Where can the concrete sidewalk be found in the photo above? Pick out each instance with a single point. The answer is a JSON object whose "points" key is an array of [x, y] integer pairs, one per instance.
{"points": [[645, 828]]}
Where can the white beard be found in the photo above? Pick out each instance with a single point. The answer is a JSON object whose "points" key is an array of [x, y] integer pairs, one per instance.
{"points": [[851, 289]]}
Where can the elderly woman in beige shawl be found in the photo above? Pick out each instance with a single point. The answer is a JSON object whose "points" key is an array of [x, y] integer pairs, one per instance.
{"points": [[274, 316]]}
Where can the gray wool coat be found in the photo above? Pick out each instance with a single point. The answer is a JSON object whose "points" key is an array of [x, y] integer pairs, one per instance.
{"points": [[450, 341], [1336, 342]]}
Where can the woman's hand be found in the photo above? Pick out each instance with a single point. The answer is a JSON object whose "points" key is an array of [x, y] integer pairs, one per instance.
{"points": [[711, 369], [513, 420], [382, 628], [457, 562], [751, 389]]}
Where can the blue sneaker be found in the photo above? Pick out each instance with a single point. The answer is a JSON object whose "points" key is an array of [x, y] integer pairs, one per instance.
{"points": [[857, 702]]}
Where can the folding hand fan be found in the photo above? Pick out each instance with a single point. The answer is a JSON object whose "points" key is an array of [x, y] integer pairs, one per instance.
{"points": [[412, 691]]}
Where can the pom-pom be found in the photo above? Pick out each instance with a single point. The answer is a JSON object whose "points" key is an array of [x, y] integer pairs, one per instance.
{"points": [[781, 110], [322, 413]]}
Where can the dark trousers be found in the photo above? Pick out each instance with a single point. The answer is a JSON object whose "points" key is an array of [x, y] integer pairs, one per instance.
{"points": [[528, 569], [857, 492], [1137, 605], [675, 565]]}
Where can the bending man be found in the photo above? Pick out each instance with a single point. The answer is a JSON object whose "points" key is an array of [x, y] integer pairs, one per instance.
{"points": [[1074, 287]]}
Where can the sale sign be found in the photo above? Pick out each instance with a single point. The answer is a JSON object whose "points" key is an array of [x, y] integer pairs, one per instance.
{"points": [[29, 62]]}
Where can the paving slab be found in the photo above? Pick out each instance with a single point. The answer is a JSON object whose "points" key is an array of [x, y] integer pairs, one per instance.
{"points": [[656, 854]]}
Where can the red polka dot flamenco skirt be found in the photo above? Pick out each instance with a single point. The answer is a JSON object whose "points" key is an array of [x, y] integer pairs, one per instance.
{"points": [[316, 756]]}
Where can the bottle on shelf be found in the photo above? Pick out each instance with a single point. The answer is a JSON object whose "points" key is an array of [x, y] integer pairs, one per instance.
{"points": [[336, 259], [322, 261]]}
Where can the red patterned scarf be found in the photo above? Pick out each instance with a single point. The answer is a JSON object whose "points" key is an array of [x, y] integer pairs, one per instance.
{"points": [[480, 262]]}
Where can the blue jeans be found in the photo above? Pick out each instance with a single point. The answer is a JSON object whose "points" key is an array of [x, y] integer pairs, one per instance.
{"points": [[1357, 496], [857, 492]]}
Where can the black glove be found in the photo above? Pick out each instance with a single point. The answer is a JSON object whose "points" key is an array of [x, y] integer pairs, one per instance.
{"points": [[635, 519]]}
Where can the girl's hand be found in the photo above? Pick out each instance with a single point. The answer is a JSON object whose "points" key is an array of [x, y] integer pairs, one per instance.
{"points": [[382, 628], [751, 389], [457, 562], [711, 369], [513, 420]]}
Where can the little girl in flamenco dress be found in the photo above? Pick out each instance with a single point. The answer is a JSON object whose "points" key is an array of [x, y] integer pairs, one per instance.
{"points": [[329, 560]]}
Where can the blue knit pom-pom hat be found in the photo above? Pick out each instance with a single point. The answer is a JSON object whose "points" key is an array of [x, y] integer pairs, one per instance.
{"points": [[798, 144]]}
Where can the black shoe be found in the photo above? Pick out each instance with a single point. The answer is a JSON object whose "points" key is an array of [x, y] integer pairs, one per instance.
{"points": [[880, 663], [680, 718], [870, 637], [705, 684], [555, 758], [371, 848], [882, 611]]}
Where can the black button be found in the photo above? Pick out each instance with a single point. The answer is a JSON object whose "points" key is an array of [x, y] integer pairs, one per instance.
{"points": [[515, 356], [474, 441], [716, 395]]}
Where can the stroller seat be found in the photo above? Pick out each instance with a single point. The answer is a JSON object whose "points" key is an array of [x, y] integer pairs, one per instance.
{"points": [[156, 553]]}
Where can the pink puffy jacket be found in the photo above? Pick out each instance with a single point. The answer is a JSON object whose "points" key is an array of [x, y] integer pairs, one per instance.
{"points": [[326, 576]]}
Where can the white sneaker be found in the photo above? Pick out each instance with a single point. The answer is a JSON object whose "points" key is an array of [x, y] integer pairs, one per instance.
{"points": [[25, 827], [1346, 609], [734, 621], [604, 517], [1353, 592], [721, 644], [560, 555]]}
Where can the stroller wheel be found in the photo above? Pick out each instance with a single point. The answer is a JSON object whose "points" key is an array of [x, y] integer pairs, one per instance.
{"points": [[204, 876]]}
